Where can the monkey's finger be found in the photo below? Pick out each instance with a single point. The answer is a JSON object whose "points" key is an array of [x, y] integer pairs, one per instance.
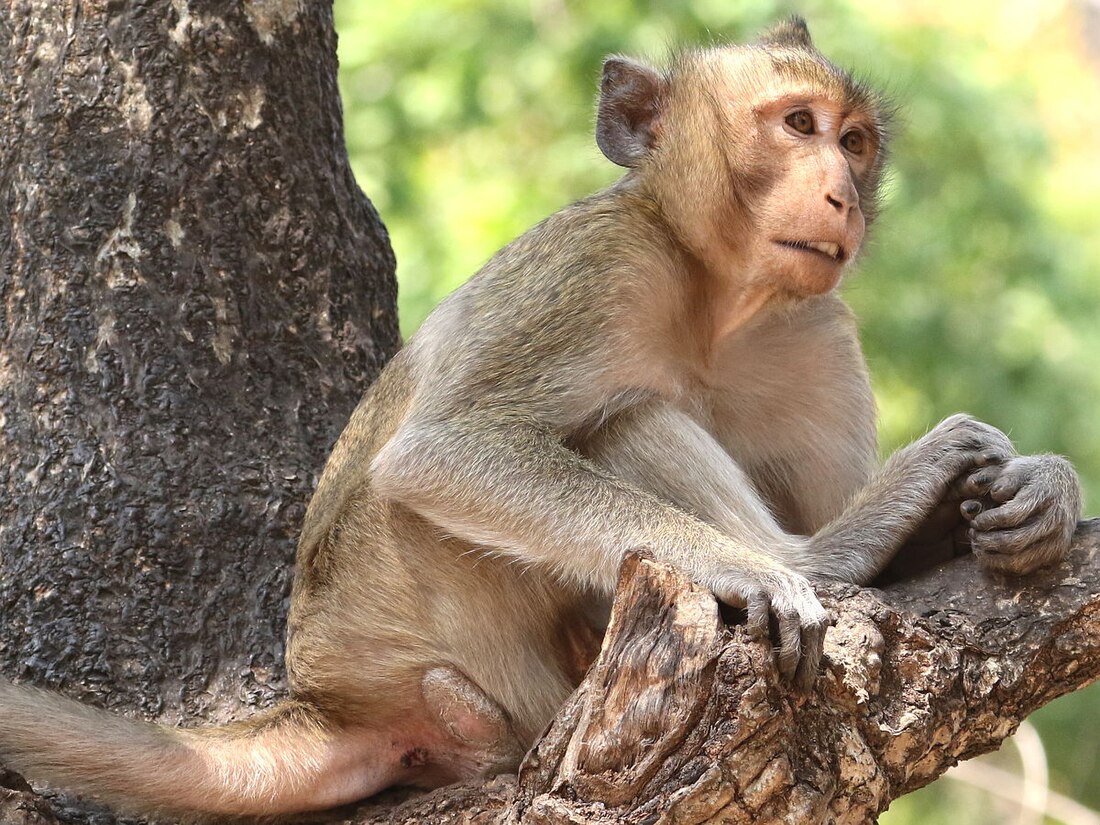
{"points": [[977, 483], [790, 644], [760, 607], [1014, 540], [992, 456], [1008, 486], [1032, 553], [970, 509], [1011, 514], [813, 648]]}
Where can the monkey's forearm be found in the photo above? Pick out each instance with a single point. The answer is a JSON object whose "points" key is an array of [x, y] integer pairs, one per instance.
{"points": [[519, 491], [663, 450], [856, 546]]}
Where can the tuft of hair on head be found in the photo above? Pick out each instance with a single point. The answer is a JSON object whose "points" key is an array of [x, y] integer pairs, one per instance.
{"points": [[792, 33]]}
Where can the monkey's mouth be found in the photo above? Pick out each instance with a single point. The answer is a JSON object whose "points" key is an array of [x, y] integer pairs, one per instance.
{"points": [[833, 251]]}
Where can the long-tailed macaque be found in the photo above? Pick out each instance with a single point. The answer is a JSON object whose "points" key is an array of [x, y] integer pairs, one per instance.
{"points": [[663, 365]]}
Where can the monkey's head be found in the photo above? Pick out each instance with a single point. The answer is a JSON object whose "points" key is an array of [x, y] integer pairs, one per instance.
{"points": [[765, 159]]}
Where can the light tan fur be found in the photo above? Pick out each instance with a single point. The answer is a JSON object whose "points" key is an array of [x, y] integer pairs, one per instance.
{"points": [[664, 365]]}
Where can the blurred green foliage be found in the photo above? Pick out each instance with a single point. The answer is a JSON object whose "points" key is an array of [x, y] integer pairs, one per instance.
{"points": [[468, 122]]}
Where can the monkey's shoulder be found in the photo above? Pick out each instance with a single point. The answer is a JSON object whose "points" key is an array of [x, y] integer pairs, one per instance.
{"points": [[548, 303], [580, 258]]}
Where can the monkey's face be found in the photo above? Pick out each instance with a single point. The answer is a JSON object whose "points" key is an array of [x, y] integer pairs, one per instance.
{"points": [[765, 159], [807, 220], [782, 164]]}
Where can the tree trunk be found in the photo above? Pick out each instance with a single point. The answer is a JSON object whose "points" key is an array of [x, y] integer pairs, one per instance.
{"points": [[195, 294]]}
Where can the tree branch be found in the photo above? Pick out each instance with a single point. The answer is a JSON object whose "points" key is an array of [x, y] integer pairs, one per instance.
{"points": [[681, 719]]}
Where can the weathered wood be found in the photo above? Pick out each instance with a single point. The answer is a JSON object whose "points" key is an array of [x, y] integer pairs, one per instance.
{"points": [[19, 805], [682, 720]]}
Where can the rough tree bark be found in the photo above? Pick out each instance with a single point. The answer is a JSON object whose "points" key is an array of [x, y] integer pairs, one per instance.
{"points": [[195, 294]]}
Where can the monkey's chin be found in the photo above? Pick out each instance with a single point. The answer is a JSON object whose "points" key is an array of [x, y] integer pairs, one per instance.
{"points": [[807, 279], [808, 272], [818, 283]]}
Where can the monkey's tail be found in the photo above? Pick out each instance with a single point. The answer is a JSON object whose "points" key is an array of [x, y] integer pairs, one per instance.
{"points": [[286, 760]]}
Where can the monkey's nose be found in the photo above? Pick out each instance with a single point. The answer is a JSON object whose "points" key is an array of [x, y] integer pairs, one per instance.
{"points": [[843, 197]]}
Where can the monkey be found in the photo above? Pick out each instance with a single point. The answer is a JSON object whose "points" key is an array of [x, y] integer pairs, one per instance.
{"points": [[665, 365]]}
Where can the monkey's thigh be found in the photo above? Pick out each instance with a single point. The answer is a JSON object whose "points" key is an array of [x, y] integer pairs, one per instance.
{"points": [[518, 635], [422, 633]]}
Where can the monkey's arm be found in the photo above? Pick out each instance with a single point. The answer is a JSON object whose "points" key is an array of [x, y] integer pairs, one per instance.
{"points": [[663, 450], [887, 512], [516, 489]]}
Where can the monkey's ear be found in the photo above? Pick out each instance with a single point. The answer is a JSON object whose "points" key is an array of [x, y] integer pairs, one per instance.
{"points": [[630, 107], [792, 33]]}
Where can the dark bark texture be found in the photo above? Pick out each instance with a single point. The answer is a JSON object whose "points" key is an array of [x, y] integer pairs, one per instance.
{"points": [[193, 296]]}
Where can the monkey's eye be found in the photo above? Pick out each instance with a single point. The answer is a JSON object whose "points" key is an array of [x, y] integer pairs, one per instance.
{"points": [[801, 121], [854, 142]]}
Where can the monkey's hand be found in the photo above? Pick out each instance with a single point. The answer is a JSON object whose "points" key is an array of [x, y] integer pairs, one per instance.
{"points": [[781, 605], [960, 443], [907, 518], [1028, 510], [965, 456]]}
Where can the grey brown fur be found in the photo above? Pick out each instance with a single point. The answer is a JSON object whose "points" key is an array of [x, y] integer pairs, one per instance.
{"points": [[666, 365]]}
